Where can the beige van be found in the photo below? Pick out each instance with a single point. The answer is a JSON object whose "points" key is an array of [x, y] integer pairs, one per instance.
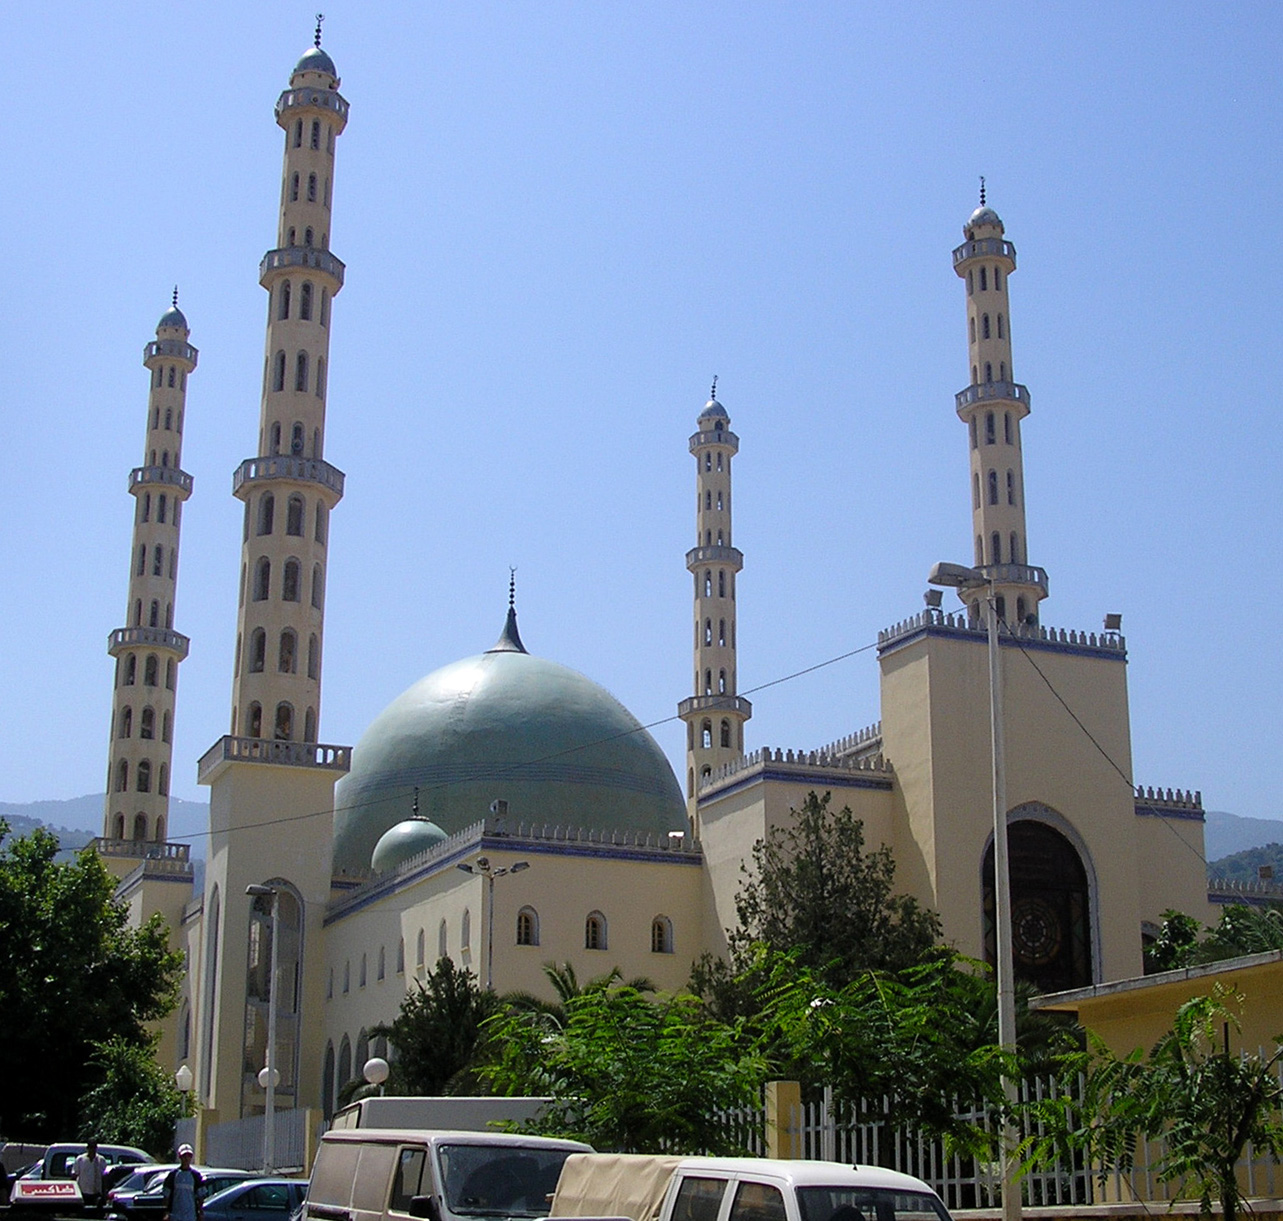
{"points": [[392, 1174]]}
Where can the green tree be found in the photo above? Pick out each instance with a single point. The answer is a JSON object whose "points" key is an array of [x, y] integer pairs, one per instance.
{"points": [[627, 1071], [73, 976], [814, 890], [1204, 1103], [136, 1102], [1240, 930], [437, 1033]]}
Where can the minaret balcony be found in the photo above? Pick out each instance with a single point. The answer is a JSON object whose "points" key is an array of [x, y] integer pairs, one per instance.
{"points": [[302, 256], [694, 705], [163, 476], [286, 466], [725, 438], [231, 749], [724, 557], [170, 347], [985, 247], [124, 638], [1016, 574], [996, 392], [319, 99]]}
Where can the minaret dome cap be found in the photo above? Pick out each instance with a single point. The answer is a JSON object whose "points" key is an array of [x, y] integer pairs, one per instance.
{"points": [[316, 60], [173, 316], [984, 216]]}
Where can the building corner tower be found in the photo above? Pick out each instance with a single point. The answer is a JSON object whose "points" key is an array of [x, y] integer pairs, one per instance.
{"points": [[992, 407], [271, 781], [714, 714], [148, 651]]}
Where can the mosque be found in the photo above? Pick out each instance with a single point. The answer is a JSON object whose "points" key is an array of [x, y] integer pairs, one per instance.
{"points": [[506, 811]]}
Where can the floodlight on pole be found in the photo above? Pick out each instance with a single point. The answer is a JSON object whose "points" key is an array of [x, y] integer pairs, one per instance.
{"points": [[964, 579], [483, 868]]}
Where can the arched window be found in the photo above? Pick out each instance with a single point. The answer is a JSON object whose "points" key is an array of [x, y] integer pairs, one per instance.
{"points": [[138, 612], [307, 236], [305, 300], [971, 286], [990, 431], [158, 561], [313, 656], [284, 722], [140, 826], [278, 372], [147, 724], [1000, 328], [143, 781], [465, 931], [325, 307], [721, 583], [1006, 427], [318, 586], [118, 827], [153, 618], [290, 581], [1011, 487], [708, 499], [171, 376], [142, 560], [169, 423], [146, 510], [131, 670], [298, 142], [993, 487], [262, 579], [984, 326], [122, 777], [173, 563], [443, 940], [162, 787], [294, 188], [360, 983], [706, 735], [708, 584], [266, 513], [997, 279], [316, 133], [1020, 607], [527, 926], [151, 671], [595, 931], [300, 371], [708, 682], [720, 541], [294, 506], [283, 300], [255, 725], [971, 329], [995, 543], [311, 188], [1013, 555], [726, 733], [276, 436], [126, 722], [719, 462], [984, 280], [400, 956], [166, 728], [309, 725], [383, 962], [980, 550], [708, 631], [721, 632], [286, 653], [708, 461], [160, 509], [721, 682], [661, 935], [320, 520], [975, 491], [1002, 370]]}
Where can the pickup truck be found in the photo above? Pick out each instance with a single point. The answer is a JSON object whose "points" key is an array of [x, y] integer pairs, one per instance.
{"points": [[393, 1174], [50, 1185], [651, 1188]]}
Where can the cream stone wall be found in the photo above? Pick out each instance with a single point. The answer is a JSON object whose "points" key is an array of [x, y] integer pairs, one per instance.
{"points": [[1171, 874]]}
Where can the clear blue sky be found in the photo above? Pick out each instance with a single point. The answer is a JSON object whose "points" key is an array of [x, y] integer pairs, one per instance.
{"points": [[559, 221]]}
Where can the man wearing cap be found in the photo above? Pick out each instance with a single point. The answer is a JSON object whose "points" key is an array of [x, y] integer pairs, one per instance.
{"points": [[88, 1169], [182, 1197]]}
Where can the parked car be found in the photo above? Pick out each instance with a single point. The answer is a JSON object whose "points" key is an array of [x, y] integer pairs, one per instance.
{"points": [[120, 1197], [50, 1187], [256, 1200], [149, 1205]]}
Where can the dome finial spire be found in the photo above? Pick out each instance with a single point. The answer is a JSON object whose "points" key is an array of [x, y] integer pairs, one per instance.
{"points": [[175, 301], [414, 810], [712, 394], [512, 588], [510, 639], [316, 38], [982, 186]]}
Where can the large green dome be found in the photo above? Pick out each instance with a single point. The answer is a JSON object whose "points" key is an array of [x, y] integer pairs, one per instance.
{"points": [[559, 749]]}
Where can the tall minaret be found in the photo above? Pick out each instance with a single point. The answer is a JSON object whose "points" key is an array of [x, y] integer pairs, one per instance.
{"points": [[148, 650], [992, 407], [289, 489], [714, 715]]}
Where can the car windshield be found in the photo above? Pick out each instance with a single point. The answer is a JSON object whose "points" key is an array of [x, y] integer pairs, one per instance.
{"points": [[499, 1180], [868, 1204]]}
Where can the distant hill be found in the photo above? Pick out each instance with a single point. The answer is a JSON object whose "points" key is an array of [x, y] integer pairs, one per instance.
{"points": [[1227, 834], [1246, 866], [78, 819]]}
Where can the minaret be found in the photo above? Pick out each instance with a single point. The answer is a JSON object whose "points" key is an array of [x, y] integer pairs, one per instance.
{"points": [[992, 407], [714, 715], [289, 489], [148, 650]]}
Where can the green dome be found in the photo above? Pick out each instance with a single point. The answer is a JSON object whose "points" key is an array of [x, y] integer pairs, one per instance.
{"points": [[403, 841], [559, 749]]}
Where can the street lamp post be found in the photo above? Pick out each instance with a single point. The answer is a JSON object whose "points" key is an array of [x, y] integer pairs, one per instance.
{"points": [[269, 1076], [487, 870], [962, 578]]}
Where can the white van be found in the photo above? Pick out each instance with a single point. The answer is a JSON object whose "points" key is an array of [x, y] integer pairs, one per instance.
{"points": [[391, 1174]]}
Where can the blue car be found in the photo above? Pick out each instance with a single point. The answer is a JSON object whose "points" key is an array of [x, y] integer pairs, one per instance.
{"points": [[256, 1200]]}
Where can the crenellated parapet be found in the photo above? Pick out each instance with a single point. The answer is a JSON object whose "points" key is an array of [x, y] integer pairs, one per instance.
{"points": [[1035, 636], [804, 766], [853, 743], [1168, 803]]}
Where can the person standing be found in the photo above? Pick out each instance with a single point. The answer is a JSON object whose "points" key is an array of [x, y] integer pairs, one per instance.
{"points": [[88, 1170], [182, 1194]]}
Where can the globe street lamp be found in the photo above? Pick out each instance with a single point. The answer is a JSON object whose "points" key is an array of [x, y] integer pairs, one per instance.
{"points": [[964, 580], [268, 1077], [485, 869], [376, 1072]]}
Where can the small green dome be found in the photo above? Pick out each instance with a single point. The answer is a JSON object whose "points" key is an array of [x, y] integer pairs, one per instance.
{"points": [[403, 841], [562, 751]]}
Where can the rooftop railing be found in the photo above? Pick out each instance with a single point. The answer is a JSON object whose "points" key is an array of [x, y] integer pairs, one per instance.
{"points": [[170, 347], [694, 704], [729, 557], [148, 638], [725, 438], [984, 247], [324, 99], [286, 466], [230, 749], [983, 392], [169, 476], [303, 256]]}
